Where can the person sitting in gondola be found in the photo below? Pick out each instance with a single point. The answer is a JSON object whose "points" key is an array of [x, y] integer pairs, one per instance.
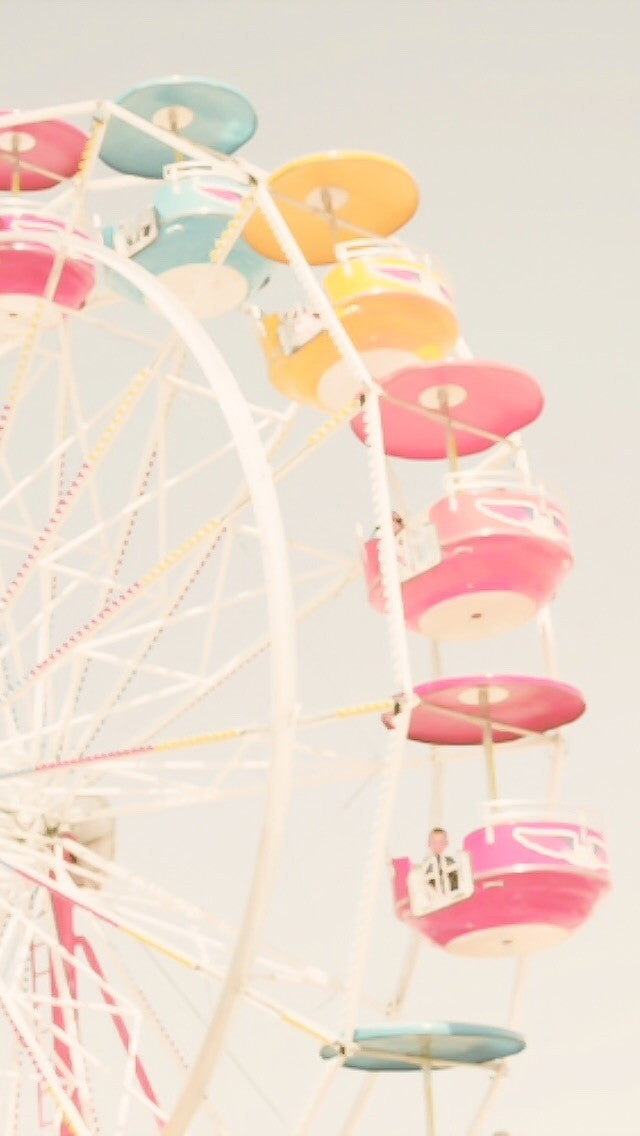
{"points": [[440, 869], [400, 534]]}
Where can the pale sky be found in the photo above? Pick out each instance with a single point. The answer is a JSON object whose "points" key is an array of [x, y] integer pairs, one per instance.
{"points": [[519, 121]]}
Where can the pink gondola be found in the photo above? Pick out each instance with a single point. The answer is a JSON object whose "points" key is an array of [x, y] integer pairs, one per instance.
{"points": [[500, 555], [465, 404], [26, 264], [457, 711], [39, 155], [533, 882]]}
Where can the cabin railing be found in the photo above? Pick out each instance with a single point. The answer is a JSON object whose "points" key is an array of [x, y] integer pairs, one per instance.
{"points": [[435, 884]]}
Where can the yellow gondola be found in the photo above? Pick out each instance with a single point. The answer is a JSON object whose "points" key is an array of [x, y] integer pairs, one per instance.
{"points": [[334, 197], [393, 306]]}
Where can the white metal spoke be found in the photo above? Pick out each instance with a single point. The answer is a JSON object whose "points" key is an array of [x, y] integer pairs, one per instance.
{"points": [[116, 564], [42, 708], [111, 1005], [44, 1068], [133, 507], [70, 498], [261, 645], [495, 1086], [109, 611], [138, 929], [147, 646], [65, 1005], [226, 541], [160, 1029], [116, 329]]}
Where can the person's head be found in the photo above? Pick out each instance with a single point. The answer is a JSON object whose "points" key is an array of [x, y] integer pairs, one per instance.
{"points": [[438, 841], [398, 523]]}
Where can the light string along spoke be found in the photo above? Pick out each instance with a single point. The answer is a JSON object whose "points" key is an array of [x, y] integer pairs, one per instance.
{"points": [[70, 498], [240, 503], [213, 682], [121, 546], [171, 609]]}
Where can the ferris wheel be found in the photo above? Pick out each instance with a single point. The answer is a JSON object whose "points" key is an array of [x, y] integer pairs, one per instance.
{"points": [[208, 689]]}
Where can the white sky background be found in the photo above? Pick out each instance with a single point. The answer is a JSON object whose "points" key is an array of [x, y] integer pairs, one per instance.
{"points": [[519, 121]]}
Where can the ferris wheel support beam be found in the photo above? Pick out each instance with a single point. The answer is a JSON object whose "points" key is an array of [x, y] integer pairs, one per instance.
{"points": [[359, 1106], [281, 633], [430, 1113], [63, 985], [488, 1101], [119, 1023]]}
